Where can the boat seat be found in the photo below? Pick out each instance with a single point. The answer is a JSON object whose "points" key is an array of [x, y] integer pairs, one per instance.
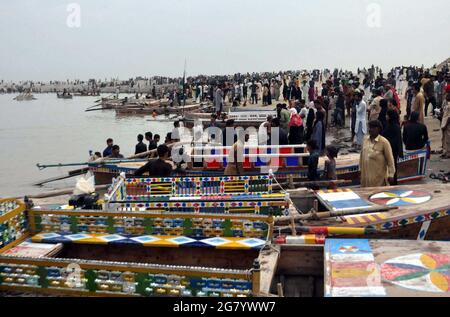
{"points": [[172, 241]]}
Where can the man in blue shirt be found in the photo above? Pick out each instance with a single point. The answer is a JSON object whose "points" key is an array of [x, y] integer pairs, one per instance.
{"points": [[108, 151]]}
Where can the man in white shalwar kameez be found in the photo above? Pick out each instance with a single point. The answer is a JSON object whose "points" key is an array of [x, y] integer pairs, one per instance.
{"points": [[305, 91], [360, 124]]}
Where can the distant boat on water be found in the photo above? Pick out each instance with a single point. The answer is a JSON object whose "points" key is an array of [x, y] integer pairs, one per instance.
{"points": [[64, 96], [24, 97]]}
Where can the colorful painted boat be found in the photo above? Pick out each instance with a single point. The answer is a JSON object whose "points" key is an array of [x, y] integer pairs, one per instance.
{"points": [[359, 268], [153, 239], [287, 162], [138, 245], [422, 212], [130, 253]]}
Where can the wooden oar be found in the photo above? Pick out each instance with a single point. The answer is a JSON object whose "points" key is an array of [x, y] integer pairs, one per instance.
{"points": [[316, 183], [100, 161], [326, 230], [104, 98], [59, 192], [96, 109], [70, 174], [330, 214]]}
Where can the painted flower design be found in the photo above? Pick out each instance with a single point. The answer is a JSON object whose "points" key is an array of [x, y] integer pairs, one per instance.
{"points": [[400, 198], [348, 248], [421, 272]]}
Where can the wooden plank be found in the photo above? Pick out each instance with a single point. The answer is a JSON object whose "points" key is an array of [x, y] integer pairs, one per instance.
{"points": [[350, 269], [438, 202], [268, 259], [130, 267], [59, 291], [394, 268], [25, 236], [431, 259], [153, 214]]}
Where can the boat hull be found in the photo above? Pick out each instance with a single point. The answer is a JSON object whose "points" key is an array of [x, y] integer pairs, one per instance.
{"points": [[411, 167], [158, 109]]}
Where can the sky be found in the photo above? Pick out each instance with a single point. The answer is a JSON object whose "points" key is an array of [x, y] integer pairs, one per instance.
{"points": [[42, 39]]}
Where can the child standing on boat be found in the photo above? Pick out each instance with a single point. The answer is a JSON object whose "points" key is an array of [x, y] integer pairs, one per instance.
{"points": [[330, 165], [313, 161]]}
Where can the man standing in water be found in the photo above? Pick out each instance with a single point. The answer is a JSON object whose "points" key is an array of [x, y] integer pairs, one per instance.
{"points": [[376, 161]]}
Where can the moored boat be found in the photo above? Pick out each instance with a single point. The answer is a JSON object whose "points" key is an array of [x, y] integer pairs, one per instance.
{"points": [[25, 97], [417, 212], [156, 108], [358, 268], [64, 96], [242, 118], [287, 162], [141, 250], [214, 237]]}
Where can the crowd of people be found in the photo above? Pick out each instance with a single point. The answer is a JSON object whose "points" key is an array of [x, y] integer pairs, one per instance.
{"points": [[158, 167], [372, 105], [308, 105]]}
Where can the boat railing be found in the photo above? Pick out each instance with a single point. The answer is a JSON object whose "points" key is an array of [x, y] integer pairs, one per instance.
{"points": [[13, 223], [199, 186], [147, 229], [228, 194], [112, 278], [281, 148], [115, 192]]}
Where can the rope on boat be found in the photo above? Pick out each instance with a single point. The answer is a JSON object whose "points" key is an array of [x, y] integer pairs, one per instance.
{"points": [[43, 166]]}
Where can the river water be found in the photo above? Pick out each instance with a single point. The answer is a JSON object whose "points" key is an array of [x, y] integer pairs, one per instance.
{"points": [[51, 130]]}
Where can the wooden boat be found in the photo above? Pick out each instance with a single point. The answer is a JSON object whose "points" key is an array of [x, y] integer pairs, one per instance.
{"points": [[242, 118], [86, 94], [157, 107], [133, 249], [357, 268], [421, 212], [139, 248], [24, 97], [123, 103], [62, 96], [287, 162]]}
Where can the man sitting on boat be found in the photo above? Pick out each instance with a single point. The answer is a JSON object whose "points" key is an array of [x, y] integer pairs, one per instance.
{"points": [[108, 151], [116, 153], [159, 167]]}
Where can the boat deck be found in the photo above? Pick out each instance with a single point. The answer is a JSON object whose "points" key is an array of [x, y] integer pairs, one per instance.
{"points": [[423, 209], [392, 268]]}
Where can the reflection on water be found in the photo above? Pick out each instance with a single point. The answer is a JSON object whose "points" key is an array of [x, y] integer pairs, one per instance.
{"points": [[51, 130]]}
